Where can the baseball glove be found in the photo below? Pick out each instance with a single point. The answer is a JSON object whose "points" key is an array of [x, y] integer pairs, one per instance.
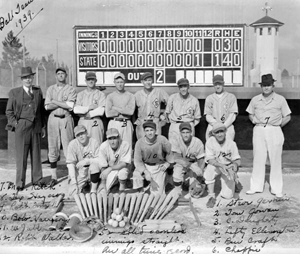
{"points": [[81, 233], [197, 189]]}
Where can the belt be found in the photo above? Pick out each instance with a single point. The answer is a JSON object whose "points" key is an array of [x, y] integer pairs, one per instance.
{"points": [[60, 116], [151, 164], [264, 125], [88, 118], [119, 119]]}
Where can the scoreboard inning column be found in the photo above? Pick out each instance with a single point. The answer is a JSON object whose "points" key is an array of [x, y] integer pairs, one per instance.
{"points": [[170, 53]]}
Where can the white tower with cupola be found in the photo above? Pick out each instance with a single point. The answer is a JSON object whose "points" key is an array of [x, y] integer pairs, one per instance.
{"points": [[266, 32]]}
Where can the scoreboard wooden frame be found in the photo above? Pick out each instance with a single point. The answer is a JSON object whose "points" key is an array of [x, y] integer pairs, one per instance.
{"points": [[196, 52]]}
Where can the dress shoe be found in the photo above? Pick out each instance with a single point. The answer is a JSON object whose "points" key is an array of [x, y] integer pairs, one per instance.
{"points": [[53, 182], [251, 192], [278, 195], [19, 188]]}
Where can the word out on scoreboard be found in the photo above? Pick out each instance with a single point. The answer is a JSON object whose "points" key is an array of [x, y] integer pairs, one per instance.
{"points": [[170, 53]]}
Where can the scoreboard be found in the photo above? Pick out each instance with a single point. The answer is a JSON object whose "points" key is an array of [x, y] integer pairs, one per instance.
{"points": [[169, 52]]}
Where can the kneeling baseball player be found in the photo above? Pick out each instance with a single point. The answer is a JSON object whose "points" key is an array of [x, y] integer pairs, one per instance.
{"points": [[114, 160], [223, 159], [81, 162], [152, 157], [189, 158]]}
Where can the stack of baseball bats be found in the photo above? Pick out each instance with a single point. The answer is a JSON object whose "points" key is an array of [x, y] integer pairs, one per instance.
{"points": [[135, 206]]}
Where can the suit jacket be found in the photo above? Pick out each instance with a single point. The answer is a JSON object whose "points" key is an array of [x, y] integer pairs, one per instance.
{"points": [[14, 108]]}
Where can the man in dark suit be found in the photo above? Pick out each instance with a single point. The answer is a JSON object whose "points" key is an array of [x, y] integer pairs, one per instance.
{"points": [[25, 116]]}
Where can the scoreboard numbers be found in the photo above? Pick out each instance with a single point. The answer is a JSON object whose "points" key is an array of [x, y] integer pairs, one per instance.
{"points": [[165, 51]]}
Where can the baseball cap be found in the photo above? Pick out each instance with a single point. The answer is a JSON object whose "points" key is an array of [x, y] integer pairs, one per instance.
{"points": [[112, 133], [184, 126], [61, 69], [183, 81], [79, 129], [146, 75], [119, 75], [90, 75], [218, 79], [218, 126], [150, 124]]}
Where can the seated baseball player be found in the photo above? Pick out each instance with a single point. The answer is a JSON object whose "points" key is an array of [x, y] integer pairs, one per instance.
{"points": [[114, 160], [222, 157], [81, 163], [189, 156], [152, 157]]}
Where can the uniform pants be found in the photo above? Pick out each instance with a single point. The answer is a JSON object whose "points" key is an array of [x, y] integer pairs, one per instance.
{"points": [[125, 129], [230, 133], [60, 131], [228, 186], [179, 171], [174, 132], [267, 140], [27, 141], [95, 128]]}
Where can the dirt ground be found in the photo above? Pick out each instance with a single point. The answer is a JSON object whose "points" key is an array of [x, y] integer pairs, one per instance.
{"points": [[246, 224]]}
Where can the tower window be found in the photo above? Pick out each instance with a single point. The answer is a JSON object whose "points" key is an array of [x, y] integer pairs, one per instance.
{"points": [[269, 31], [260, 31]]}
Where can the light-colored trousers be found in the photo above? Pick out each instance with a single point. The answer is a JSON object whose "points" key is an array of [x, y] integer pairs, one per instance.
{"points": [[267, 140]]}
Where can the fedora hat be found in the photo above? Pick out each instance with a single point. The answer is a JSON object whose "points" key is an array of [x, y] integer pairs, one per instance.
{"points": [[267, 79], [26, 71]]}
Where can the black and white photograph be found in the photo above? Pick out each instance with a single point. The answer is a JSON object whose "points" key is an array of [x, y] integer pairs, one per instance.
{"points": [[149, 126]]}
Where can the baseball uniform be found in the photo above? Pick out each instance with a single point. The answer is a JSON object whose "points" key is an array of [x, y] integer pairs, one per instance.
{"points": [[219, 108], [149, 108], [181, 110], [150, 156], [60, 122], [108, 157], [183, 154], [92, 121], [76, 153], [120, 107], [268, 139], [224, 154]]}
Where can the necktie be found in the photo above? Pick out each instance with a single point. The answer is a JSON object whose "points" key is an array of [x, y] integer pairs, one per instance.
{"points": [[30, 93]]}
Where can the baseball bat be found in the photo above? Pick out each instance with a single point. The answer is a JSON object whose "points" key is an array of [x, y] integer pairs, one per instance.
{"points": [[57, 200], [164, 205], [132, 203], [89, 203], [158, 222], [137, 204], [160, 201], [121, 200], [100, 203], [116, 201], [149, 201], [94, 202], [195, 213], [171, 204], [126, 204], [142, 206], [84, 204], [110, 204], [104, 200], [77, 200], [153, 203]]}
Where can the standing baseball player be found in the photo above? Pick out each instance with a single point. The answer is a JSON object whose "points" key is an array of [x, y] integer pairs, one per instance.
{"points": [[220, 106], [152, 157], [148, 101], [60, 99], [81, 163], [182, 107], [90, 105], [223, 159], [114, 160], [120, 107], [189, 157], [269, 112]]}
